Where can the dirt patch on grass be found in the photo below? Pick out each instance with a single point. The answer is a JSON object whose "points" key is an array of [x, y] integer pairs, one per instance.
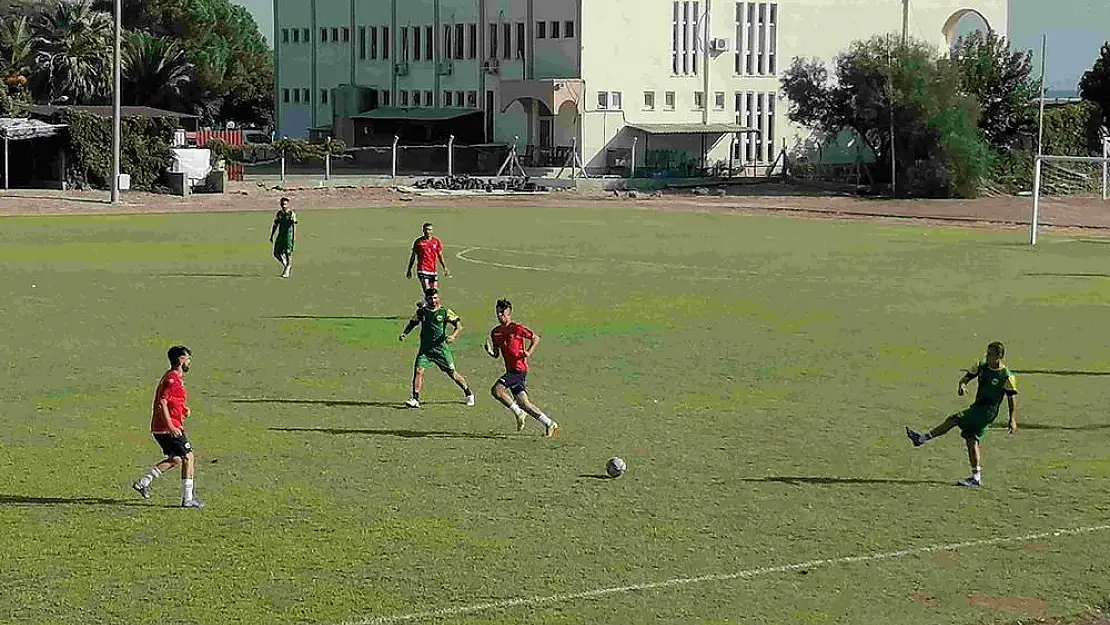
{"points": [[924, 599], [1068, 215], [1031, 607]]}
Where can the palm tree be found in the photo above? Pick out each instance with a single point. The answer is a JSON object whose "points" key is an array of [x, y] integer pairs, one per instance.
{"points": [[74, 48], [16, 51], [156, 71]]}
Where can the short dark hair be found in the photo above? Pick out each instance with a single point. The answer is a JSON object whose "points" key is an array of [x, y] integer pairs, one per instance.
{"points": [[504, 304], [176, 352], [999, 345], [283, 200], [426, 224], [430, 292]]}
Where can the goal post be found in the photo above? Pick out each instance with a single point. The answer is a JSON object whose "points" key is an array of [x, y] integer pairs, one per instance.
{"points": [[1076, 177]]}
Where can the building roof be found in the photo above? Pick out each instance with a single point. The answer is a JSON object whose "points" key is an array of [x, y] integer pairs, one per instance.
{"points": [[106, 111], [17, 128], [424, 113], [692, 129]]}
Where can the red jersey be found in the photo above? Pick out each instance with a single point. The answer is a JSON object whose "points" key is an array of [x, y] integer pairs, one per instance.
{"points": [[427, 253], [172, 389], [510, 341]]}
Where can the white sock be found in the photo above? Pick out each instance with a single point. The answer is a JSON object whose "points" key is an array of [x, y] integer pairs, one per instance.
{"points": [[977, 473], [545, 420], [152, 474], [187, 489], [516, 410]]}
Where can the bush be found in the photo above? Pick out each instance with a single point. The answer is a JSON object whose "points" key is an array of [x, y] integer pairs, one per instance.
{"points": [[145, 151], [967, 154]]}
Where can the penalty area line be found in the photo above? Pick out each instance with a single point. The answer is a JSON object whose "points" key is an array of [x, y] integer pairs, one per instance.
{"points": [[463, 256], [537, 600]]}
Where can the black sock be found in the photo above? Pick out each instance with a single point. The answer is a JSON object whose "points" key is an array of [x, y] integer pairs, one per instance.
{"points": [[466, 391], [416, 395]]}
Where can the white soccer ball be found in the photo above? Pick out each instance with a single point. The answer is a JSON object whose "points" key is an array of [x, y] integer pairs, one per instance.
{"points": [[615, 467]]}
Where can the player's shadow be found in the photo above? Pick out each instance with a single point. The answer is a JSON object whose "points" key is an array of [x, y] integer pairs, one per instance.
{"points": [[333, 318], [595, 476], [24, 500], [338, 403], [207, 275], [834, 481], [1064, 428], [395, 433], [1078, 274], [1061, 372]]}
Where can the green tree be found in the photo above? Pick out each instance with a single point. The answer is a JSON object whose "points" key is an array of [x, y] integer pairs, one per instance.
{"points": [[999, 80], [17, 48], [73, 53], [155, 72], [1095, 84]]}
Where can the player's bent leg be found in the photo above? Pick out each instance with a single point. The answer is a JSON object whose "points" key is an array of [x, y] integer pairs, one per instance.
{"points": [[460, 381], [188, 469], [550, 428], [503, 395], [417, 385]]}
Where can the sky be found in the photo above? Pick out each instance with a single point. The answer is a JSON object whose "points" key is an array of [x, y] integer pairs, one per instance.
{"points": [[1075, 30]]}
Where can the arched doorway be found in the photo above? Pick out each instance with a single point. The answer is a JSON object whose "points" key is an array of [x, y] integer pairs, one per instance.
{"points": [[962, 23]]}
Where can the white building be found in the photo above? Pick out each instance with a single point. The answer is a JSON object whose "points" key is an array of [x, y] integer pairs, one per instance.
{"points": [[601, 75]]}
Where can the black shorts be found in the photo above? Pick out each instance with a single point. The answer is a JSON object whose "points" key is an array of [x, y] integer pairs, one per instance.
{"points": [[515, 382], [431, 277], [174, 446]]}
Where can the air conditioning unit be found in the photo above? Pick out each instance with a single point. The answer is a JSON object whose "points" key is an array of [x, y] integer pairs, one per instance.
{"points": [[445, 68], [491, 66], [401, 68], [719, 44]]}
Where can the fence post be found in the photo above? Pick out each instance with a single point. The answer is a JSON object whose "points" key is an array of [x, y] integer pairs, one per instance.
{"points": [[1105, 168], [1036, 200], [632, 163], [283, 165], [451, 156], [327, 164], [394, 168]]}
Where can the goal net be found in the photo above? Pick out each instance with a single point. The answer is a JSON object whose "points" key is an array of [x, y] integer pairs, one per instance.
{"points": [[1073, 181]]}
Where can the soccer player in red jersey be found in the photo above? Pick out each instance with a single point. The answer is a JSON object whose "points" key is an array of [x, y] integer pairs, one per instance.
{"points": [[507, 340], [428, 250], [167, 424]]}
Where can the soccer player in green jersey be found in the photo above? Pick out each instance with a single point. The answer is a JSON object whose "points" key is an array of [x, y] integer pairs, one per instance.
{"points": [[285, 226], [435, 345], [994, 383]]}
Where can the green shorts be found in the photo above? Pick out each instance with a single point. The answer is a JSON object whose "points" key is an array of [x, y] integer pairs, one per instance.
{"points": [[439, 356], [975, 421], [283, 247]]}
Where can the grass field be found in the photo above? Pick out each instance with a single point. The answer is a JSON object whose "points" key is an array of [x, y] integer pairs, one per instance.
{"points": [[755, 373]]}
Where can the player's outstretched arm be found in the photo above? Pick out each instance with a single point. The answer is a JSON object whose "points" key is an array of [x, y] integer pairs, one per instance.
{"points": [[533, 343], [968, 376], [413, 322], [456, 323]]}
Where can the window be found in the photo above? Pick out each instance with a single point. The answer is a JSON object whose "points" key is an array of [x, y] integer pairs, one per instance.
{"points": [[685, 15], [541, 30], [404, 95], [323, 35], [385, 43], [416, 98], [472, 53], [323, 96], [472, 99], [385, 97], [334, 34], [285, 35], [460, 98], [373, 42], [520, 40], [699, 100], [554, 30], [429, 43], [416, 43], [756, 110], [448, 49], [757, 38], [362, 43], [649, 100], [668, 100], [429, 98], [507, 29], [719, 100], [609, 100], [297, 35], [568, 29], [296, 96], [493, 41], [460, 41], [404, 44], [285, 96], [616, 101], [602, 100], [346, 35], [306, 95], [304, 36], [448, 98]]}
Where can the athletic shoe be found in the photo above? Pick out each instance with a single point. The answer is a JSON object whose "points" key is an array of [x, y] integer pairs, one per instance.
{"points": [[470, 400], [916, 438], [519, 422], [971, 482], [412, 403], [192, 503], [142, 490], [551, 430]]}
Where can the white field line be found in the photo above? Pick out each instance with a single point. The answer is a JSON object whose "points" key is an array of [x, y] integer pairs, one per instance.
{"points": [[705, 579], [618, 261], [462, 256]]}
